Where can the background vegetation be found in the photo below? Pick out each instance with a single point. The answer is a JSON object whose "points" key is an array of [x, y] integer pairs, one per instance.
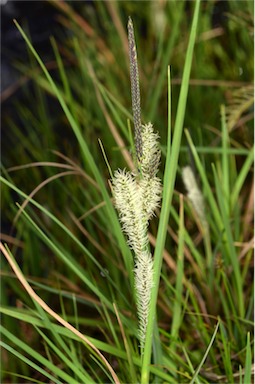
{"points": [[58, 221]]}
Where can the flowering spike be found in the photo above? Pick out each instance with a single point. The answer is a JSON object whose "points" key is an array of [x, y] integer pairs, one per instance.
{"points": [[151, 152], [136, 199], [135, 90], [136, 196], [194, 193]]}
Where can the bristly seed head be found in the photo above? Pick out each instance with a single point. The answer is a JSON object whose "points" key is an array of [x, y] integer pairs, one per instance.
{"points": [[194, 193], [137, 196]]}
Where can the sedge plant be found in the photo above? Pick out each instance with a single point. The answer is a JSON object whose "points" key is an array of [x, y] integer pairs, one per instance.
{"points": [[68, 300]]}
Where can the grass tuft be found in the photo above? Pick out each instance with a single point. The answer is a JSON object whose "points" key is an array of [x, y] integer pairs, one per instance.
{"points": [[68, 298]]}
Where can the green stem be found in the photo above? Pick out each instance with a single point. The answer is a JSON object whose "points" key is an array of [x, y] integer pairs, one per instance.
{"points": [[169, 180]]}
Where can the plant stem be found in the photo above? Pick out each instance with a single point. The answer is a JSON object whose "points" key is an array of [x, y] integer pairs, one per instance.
{"points": [[169, 179]]}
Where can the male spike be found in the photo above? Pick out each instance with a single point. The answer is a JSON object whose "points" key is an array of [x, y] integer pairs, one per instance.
{"points": [[135, 90]]}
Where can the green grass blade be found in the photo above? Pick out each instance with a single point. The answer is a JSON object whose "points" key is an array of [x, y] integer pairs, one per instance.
{"points": [[228, 238], [248, 362], [207, 188], [66, 357], [168, 186], [66, 258], [88, 158], [225, 158], [177, 307], [206, 354], [165, 62], [36, 356], [246, 168], [226, 354]]}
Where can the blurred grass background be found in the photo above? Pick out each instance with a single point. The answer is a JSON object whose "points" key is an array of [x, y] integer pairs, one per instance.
{"points": [[88, 59]]}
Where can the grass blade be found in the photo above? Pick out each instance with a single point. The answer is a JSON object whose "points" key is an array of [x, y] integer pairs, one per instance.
{"points": [[168, 187]]}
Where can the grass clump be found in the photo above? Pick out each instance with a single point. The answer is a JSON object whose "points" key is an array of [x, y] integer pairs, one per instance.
{"points": [[69, 279]]}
